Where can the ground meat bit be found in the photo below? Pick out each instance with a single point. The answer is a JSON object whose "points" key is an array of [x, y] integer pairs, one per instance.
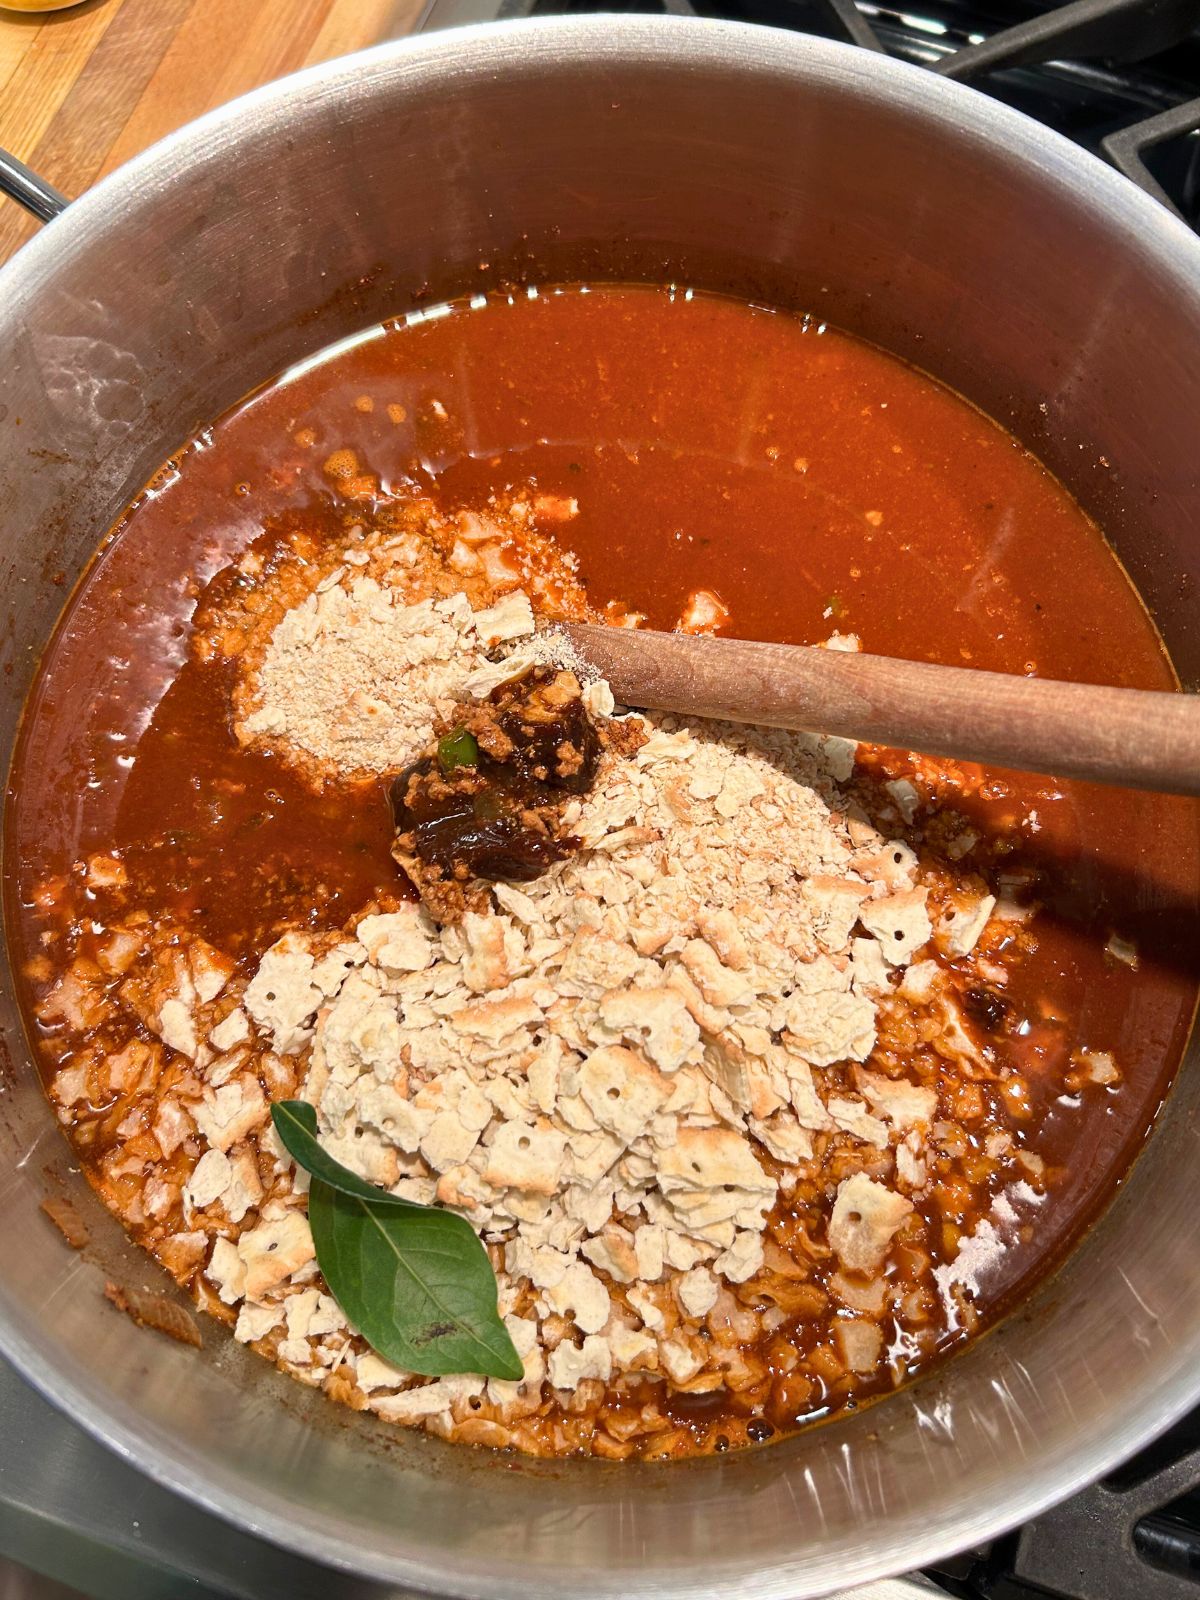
{"points": [[480, 722], [624, 736], [569, 760], [446, 898]]}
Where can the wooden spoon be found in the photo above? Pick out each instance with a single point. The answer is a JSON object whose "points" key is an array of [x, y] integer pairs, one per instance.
{"points": [[1140, 738]]}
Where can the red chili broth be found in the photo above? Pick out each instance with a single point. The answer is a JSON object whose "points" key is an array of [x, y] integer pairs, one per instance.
{"points": [[810, 480]]}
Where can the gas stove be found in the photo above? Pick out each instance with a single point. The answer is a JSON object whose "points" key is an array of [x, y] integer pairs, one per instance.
{"points": [[1122, 78]]}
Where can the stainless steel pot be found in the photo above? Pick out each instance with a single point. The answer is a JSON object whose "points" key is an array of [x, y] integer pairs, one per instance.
{"points": [[898, 205]]}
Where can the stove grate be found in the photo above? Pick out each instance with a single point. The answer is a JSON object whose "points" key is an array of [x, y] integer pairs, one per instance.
{"points": [[1177, 128]]}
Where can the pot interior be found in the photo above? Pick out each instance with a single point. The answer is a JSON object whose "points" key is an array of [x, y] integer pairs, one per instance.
{"points": [[781, 170]]}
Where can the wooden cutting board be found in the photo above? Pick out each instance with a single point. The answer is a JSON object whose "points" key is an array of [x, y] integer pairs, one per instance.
{"points": [[83, 90]]}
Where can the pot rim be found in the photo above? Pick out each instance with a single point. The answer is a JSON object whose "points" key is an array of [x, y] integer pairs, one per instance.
{"points": [[961, 113]]}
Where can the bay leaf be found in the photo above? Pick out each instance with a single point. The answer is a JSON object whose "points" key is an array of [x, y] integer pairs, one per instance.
{"points": [[414, 1280]]}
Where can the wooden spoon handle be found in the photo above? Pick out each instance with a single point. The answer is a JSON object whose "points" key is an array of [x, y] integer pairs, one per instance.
{"points": [[1139, 738]]}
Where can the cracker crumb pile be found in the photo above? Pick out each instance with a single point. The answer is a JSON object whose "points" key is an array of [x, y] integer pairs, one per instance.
{"points": [[592, 1071], [353, 675]]}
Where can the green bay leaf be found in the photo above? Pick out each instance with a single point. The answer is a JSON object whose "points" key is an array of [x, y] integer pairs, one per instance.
{"points": [[418, 1287], [414, 1280]]}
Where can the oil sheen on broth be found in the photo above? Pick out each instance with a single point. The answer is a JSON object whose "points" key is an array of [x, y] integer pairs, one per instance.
{"points": [[816, 485]]}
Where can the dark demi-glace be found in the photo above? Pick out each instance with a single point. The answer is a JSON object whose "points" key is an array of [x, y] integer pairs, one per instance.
{"points": [[814, 483]]}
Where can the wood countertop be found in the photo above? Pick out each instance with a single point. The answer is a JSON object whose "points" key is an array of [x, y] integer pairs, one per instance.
{"points": [[83, 90]]}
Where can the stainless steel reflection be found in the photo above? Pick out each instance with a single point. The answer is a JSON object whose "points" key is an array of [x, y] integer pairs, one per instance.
{"points": [[788, 170]]}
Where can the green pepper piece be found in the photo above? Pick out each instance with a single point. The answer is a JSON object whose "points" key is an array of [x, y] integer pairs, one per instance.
{"points": [[457, 749]]}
